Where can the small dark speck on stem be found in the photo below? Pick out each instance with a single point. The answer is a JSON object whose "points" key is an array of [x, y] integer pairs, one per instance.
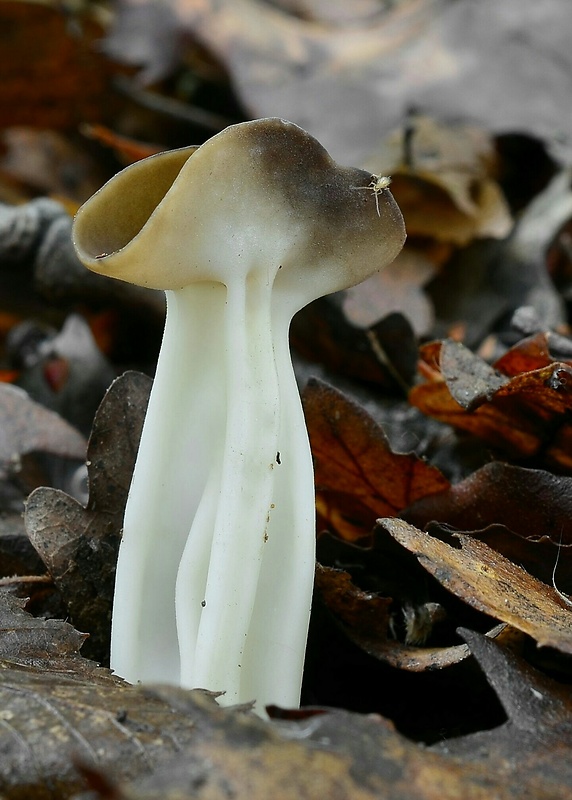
{"points": [[278, 457]]}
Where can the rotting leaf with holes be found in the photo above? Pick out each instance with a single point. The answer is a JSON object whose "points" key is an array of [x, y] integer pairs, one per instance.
{"points": [[490, 583], [79, 545], [358, 477]]}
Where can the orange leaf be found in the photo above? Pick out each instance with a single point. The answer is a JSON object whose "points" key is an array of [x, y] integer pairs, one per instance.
{"points": [[358, 476]]}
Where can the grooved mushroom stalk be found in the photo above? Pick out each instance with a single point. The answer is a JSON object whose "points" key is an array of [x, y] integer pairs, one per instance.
{"points": [[215, 571]]}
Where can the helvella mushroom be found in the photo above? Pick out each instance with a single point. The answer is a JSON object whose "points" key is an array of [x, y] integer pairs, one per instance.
{"points": [[215, 571]]}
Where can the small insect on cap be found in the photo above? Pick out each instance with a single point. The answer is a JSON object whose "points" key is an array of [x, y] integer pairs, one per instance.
{"points": [[262, 194]]}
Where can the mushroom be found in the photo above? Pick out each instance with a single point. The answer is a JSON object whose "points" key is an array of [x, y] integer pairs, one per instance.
{"points": [[215, 571]]}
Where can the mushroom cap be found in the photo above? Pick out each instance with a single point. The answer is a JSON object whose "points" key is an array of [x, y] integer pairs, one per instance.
{"points": [[260, 198]]}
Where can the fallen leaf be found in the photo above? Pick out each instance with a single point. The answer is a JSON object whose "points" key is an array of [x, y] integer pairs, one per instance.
{"points": [[367, 619], [28, 427], [46, 162], [478, 285], [17, 556], [79, 545], [323, 333], [358, 477], [490, 583], [58, 708], [387, 605], [365, 612], [397, 288], [339, 754], [527, 355], [525, 415], [497, 494], [67, 372], [534, 742]]}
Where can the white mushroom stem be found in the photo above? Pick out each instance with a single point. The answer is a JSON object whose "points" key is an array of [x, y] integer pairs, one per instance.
{"points": [[239, 527], [242, 611]]}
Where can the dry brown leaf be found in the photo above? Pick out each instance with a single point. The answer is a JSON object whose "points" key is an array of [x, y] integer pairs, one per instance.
{"points": [[45, 162], [366, 619], [28, 427], [496, 494], [398, 287], [365, 612], [64, 720], [385, 354], [527, 355], [534, 741], [79, 545], [403, 617], [491, 583], [357, 475], [60, 711]]}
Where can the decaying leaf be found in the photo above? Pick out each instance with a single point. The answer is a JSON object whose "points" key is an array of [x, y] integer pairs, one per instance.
{"points": [[397, 288], [79, 545], [58, 709], [535, 740], [491, 583], [365, 612], [356, 473], [17, 556], [339, 754], [370, 621], [386, 604], [490, 281], [41, 645], [526, 414], [498, 494], [28, 427], [44, 161], [442, 178]]}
